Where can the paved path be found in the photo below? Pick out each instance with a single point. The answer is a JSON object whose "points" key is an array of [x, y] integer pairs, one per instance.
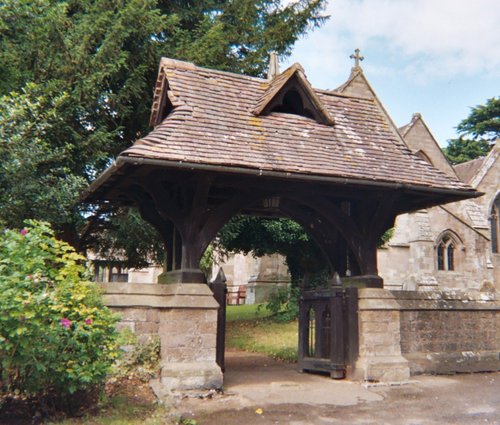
{"points": [[258, 390]]}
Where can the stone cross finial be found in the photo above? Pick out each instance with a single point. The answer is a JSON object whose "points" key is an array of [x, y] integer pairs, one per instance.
{"points": [[357, 58], [273, 66]]}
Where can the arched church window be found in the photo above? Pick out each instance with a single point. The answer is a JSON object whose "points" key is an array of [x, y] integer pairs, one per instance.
{"points": [[445, 251], [495, 224]]}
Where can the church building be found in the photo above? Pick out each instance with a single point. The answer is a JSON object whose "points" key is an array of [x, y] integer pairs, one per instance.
{"points": [[453, 246]]}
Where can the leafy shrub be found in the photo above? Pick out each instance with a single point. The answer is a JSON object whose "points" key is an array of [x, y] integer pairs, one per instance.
{"points": [[56, 337], [284, 304], [141, 361]]}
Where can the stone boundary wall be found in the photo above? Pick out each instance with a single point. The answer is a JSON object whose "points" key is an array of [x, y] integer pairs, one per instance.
{"points": [[450, 331], [403, 333]]}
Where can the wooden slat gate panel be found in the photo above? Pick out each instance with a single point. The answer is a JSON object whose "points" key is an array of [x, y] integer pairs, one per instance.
{"points": [[219, 289], [328, 330]]}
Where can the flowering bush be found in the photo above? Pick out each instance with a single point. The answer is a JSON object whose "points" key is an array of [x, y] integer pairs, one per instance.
{"points": [[56, 337]]}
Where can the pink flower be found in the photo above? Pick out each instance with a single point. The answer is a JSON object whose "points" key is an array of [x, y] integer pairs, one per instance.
{"points": [[23, 231], [88, 321], [65, 323]]}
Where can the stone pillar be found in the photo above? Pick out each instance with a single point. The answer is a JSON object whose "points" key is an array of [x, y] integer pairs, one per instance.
{"points": [[380, 357], [186, 317]]}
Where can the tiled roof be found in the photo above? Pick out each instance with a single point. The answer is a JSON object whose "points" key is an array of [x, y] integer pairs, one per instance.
{"points": [[214, 124]]}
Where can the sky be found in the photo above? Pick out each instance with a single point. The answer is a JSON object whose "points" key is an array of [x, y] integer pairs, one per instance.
{"points": [[435, 57]]}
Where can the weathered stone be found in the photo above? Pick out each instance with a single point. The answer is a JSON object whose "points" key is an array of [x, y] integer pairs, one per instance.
{"points": [[153, 315], [146, 328], [187, 332], [380, 356], [125, 325], [184, 376], [382, 369], [435, 332], [133, 314]]}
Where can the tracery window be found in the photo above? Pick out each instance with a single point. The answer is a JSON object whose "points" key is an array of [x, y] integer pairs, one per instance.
{"points": [[445, 251]]}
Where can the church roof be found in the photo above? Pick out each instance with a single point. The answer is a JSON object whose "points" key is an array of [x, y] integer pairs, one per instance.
{"points": [[213, 118]]}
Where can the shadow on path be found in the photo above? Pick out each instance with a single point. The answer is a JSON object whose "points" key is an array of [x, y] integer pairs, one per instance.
{"points": [[259, 390]]}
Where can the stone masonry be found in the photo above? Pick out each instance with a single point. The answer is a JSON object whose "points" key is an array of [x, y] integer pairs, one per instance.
{"points": [[184, 316], [452, 331], [380, 357], [403, 333], [143, 322]]}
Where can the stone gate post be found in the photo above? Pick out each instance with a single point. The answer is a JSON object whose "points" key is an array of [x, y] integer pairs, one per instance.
{"points": [[185, 318]]}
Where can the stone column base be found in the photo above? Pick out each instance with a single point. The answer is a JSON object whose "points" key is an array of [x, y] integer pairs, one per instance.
{"points": [[382, 369], [188, 376]]}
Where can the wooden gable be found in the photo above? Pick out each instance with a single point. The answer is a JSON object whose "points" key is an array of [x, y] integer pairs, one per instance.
{"points": [[291, 92]]}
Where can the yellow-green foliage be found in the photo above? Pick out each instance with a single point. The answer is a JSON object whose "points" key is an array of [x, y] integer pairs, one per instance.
{"points": [[55, 334]]}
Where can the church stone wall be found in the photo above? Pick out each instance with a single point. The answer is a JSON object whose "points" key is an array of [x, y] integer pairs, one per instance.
{"points": [[409, 260], [471, 266]]}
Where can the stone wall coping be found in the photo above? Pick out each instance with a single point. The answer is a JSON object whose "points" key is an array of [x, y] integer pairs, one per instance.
{"points": [[157, 288], [376, 299], [383, 299], [446, 295], [191, 295]]}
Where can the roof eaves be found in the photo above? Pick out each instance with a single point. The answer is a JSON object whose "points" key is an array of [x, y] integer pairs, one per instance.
{"points": [[135, 160]]}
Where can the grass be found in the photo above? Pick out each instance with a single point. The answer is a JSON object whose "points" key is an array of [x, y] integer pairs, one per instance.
{"points": [[246, 312], [250, 328]]}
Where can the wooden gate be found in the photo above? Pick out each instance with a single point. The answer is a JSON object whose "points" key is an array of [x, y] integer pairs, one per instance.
{"points": [[328, 330], [219, 289]]}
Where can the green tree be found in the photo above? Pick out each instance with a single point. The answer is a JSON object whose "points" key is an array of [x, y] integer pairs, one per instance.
{"points": [[262, 236], [483, 122], [477, 133], [34, 180], [265, 236], [93, 65], [463, 150]]}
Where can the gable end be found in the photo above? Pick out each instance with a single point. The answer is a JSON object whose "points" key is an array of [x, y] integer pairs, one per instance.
{"points": [[290, 92]]}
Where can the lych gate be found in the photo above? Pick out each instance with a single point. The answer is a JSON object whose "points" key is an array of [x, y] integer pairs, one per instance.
{"points": [[226, 144]]}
